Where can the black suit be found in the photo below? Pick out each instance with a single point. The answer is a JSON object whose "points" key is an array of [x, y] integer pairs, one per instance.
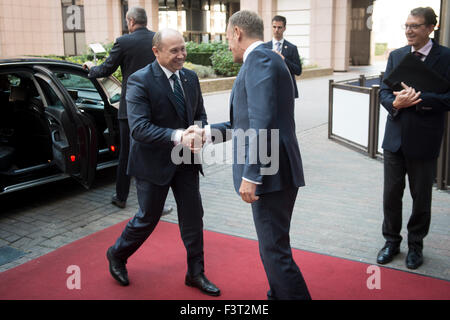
{"points": [[131, 52], [292, 59], [411, 146], [153, 117]]}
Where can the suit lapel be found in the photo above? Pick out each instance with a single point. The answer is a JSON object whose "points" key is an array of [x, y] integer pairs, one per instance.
{"points": [[163, 82], [433, 56]]}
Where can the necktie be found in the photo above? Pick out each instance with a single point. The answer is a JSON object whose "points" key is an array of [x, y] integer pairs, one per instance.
{"points": [[179, 94], [418, 54], [278, 44]]}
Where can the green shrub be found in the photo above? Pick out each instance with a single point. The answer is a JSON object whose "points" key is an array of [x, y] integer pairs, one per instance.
{"points": [[200, 53], [202, 58], [210, 47], [222, 63], [201, 71], [380, 48]]}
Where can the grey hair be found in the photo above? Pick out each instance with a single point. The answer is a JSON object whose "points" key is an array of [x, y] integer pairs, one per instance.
{"points": [[138, 14], [249, 22]]}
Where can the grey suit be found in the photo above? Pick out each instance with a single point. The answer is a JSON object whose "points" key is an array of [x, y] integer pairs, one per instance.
{"points": [[263, 99]]}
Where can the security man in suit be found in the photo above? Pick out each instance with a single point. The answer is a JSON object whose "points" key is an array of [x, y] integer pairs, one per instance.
{"points": [[262, 118], [285, 49], [161, 98], [131, 52], [412, 140]]}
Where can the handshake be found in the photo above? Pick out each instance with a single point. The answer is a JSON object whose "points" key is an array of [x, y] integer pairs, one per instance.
{"points": [[194, 138]]}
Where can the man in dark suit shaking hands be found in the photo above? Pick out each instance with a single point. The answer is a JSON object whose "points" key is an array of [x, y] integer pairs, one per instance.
{"points": [[285, 49], [131, 52], [161, 98], [262, 118], [412, 140]]}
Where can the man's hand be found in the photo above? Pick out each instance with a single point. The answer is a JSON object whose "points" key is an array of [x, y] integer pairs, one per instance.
{"points": [[88, 65], [247, 191], [406, 98], [279, 53], [193, 138]]}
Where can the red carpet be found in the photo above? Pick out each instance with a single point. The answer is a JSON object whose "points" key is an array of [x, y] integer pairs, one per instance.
{"points": [[158, 268]]}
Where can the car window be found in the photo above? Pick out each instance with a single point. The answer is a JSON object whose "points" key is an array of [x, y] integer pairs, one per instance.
{"points": [[80, 88], [50, 94], [113, 89]]}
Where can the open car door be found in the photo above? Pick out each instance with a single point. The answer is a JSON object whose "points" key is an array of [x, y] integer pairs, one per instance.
{"points": [[73, 133]]}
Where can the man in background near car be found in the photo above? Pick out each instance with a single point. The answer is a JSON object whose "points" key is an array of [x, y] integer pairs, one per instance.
{"points": [[131, 52]]}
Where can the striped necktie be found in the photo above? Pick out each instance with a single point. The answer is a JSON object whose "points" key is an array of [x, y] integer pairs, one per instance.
{"points": [[278, 44], [179, 94]]}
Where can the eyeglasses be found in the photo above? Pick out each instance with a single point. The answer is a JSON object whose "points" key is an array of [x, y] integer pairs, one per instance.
{"points": [[412, 26]]}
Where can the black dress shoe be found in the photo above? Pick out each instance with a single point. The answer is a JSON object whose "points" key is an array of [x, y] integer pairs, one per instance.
{"points": [[118, 203], [414, 259], [202, 283], [388, 252], [117, 268], [166, 210]]}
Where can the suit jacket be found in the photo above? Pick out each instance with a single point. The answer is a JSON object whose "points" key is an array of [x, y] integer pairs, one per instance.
{"points": [[131, 52], [417, 130], [153, 117], [292, 59], [263, 98]]}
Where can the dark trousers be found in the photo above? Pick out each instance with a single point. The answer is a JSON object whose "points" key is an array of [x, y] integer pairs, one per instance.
{"points": [[421, 174], [272, 216], [122, 179], [151, 198]]}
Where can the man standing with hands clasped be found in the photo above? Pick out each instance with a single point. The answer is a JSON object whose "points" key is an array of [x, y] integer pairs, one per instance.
{"points": [[412, 140], [161, 98], [262, 117], [285, 49]]}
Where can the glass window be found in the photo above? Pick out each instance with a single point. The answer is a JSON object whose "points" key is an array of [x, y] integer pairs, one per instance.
{"points": [[50, 95], [80, 88], [113, 89]]}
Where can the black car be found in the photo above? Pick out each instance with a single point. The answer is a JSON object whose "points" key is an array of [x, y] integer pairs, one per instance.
{"points": [[55, 123]]}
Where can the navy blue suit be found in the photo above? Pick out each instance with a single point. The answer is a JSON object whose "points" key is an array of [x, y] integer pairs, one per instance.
{"points": [[263, 99], [292, 59], [411, 146], [130, 52], [153, 116]]}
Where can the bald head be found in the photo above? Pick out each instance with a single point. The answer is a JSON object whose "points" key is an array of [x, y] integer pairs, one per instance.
{"points": [[165, 34], [169, 49]]}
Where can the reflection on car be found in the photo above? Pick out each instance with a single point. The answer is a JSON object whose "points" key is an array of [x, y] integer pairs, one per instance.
{"points": [[55, 122]]}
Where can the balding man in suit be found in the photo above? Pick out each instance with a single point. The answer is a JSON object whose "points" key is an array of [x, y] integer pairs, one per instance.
{"points": [[161, 98]]}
